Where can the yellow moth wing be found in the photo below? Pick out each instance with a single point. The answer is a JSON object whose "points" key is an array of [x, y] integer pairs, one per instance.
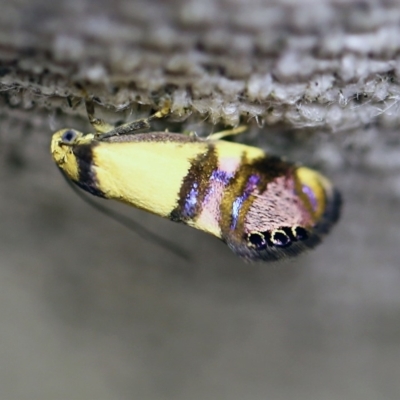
{"points": [[263, 207], [147, 175], [320, 187]]}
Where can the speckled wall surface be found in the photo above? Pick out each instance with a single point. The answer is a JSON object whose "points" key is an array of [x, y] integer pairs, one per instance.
{"points": [[89, 310]]}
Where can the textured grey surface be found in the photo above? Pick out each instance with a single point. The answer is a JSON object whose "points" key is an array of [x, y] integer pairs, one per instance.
{"points": [[90, 311], [327, 64]]}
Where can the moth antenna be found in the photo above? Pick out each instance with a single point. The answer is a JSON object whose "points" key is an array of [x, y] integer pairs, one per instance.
{"points": [[134, 226]]}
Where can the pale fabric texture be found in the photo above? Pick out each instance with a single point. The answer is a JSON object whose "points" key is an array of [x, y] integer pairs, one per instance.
{"points": [[330, 64]]}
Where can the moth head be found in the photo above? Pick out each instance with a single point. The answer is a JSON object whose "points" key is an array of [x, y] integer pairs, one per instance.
{"points": [[63, 144]]}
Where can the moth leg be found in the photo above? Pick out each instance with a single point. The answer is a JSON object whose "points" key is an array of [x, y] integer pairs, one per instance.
{"points": [[98, 124], [143, 123], [73, 102], [227, 132]]}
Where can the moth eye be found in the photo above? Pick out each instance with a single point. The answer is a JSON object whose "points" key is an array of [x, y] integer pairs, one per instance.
{"points": [[299, 233], [68, 136], [280, 238], [256, 240]]}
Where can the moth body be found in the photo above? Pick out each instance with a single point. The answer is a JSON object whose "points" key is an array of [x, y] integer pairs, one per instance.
{"points": [[264, 208]]}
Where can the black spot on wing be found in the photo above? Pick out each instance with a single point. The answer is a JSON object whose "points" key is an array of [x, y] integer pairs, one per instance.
{"points": [[252, 248], [271, 252]]}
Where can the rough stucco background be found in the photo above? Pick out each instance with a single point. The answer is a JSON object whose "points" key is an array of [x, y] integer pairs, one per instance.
{"points": [[90, 311]]}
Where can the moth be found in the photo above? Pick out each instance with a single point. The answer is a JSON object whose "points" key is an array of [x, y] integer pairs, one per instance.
{"points": [[263, 207]]}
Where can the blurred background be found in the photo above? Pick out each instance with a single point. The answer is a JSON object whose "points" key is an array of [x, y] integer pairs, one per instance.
{"points": [[89, 310]]}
